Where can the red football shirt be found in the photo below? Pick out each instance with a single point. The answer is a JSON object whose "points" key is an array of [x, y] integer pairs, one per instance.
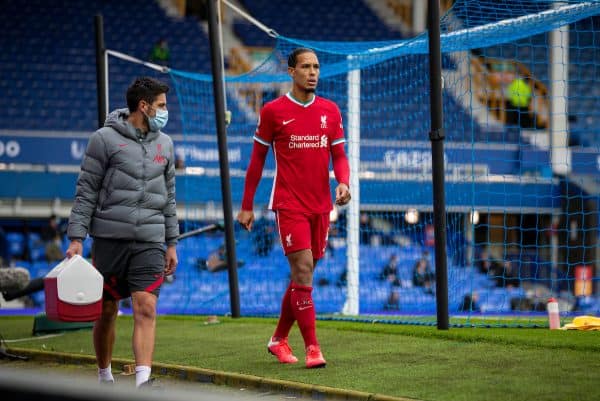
{"points": [[302, 136]]}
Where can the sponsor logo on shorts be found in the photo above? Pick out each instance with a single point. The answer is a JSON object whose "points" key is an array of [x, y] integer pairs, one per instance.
{"points": [[288, 240]]}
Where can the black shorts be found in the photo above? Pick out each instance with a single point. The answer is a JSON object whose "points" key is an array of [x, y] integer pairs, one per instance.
{"points": [[129, 266]]}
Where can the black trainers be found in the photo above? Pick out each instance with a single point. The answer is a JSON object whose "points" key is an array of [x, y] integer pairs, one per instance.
{"points": [[151, 384]]}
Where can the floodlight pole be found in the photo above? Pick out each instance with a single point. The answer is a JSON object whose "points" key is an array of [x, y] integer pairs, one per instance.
{"points": [[219, 97], [436, 136], [101, 71]]}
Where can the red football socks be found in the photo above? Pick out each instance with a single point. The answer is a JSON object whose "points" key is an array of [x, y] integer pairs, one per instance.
{"points": [[286, 318], [304, 312]]}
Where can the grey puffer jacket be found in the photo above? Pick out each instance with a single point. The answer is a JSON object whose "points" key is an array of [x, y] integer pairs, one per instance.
{"points": [[126, 187]]}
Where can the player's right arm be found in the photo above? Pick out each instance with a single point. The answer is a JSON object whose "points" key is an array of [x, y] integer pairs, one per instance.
{"points": [[262, 141], [89, 182]]}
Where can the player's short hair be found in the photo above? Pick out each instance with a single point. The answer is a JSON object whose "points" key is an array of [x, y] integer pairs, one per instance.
{"points": [[144, 88], [293, 57]]}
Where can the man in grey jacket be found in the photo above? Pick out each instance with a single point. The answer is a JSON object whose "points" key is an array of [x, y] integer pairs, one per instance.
{"points": [[125, 200]]}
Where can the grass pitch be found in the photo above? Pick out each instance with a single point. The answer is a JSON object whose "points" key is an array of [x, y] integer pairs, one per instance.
{"points": [[496, 364]]}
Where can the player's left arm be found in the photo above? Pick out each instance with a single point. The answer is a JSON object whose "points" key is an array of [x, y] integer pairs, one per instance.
{"points": [[170, 213], [341, 167]]}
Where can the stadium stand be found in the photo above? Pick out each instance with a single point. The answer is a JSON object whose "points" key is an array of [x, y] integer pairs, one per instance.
{"points": [[59, 69], [200, 291], [49, 80], [329, 20], [382, 107], [584, 56], [49, 84]]}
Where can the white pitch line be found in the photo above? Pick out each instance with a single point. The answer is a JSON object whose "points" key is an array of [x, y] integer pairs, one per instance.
{"points": [[18, 340]]}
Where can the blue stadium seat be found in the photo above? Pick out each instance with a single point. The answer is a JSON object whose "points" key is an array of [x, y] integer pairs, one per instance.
{"points": [[40, 268], [37, 248], [16, 243], [38, 298]]}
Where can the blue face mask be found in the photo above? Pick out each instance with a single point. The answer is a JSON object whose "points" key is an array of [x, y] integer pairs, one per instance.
{"points": [[159, 120]]}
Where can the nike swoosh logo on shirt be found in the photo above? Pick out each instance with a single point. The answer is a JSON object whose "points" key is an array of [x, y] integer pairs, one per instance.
{"points": [[304, 307], [286, 122]]}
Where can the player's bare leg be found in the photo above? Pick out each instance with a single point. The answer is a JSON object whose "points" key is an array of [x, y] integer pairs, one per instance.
{"points": [[302, 267], [144, 326], [104, 338]]}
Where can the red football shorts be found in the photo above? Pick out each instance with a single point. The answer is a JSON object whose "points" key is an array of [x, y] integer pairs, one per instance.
{"points": [[299, 231]]}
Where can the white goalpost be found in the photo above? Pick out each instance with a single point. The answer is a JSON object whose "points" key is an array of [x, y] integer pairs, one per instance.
{"points": [[351, 306]]}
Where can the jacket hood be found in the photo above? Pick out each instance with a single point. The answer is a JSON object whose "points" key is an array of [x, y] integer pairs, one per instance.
{"points": [[117, 120]]}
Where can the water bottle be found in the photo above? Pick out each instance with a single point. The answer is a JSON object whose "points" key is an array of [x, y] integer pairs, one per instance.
{"points": [[553, 315]]}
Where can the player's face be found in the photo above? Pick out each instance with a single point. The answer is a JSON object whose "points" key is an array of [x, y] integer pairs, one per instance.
{"points": [[306, 72], [160, 102]]}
